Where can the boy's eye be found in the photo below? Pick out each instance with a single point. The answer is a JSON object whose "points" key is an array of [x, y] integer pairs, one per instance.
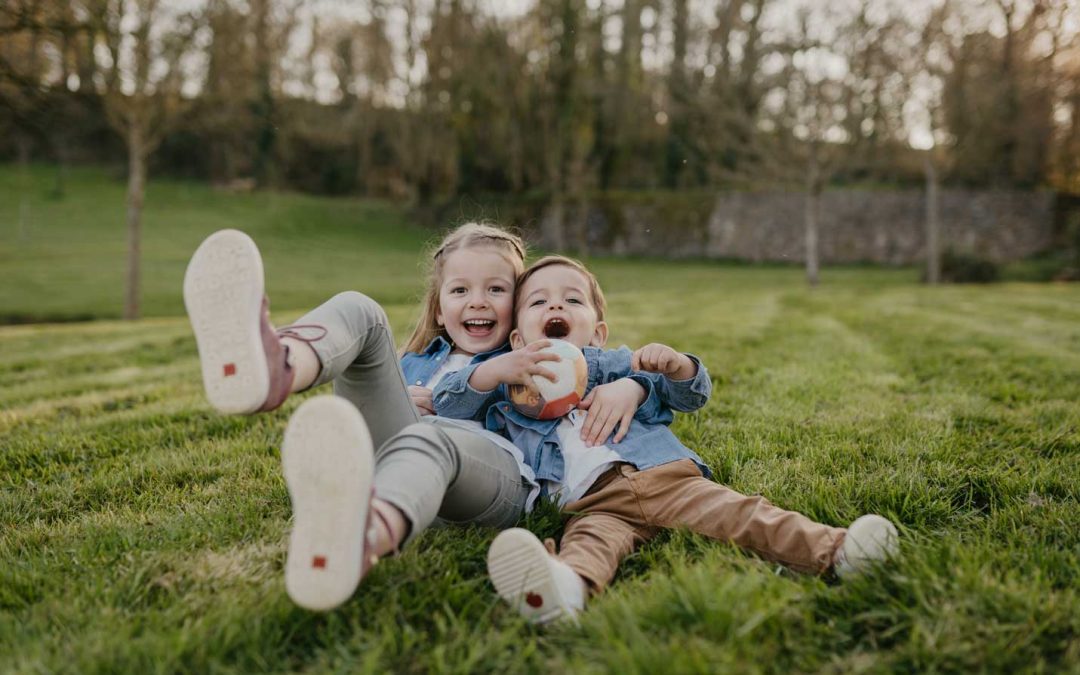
{"points": [[497, 289], [534, 303]]}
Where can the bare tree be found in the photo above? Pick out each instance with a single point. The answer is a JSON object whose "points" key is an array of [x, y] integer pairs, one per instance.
{"points": [[144, 102]]}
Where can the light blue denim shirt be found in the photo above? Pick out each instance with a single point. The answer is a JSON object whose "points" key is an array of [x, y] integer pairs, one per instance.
{"points": [[648, 443], [419, 367]]}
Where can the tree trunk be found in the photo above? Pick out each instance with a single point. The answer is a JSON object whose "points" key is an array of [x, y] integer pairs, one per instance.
{"points": [[136, 189], [812, 215], [933, 224], [22, 144]]}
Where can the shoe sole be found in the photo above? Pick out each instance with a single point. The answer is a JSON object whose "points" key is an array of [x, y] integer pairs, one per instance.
{"points": [[327, 458], [518, 566], [223, 293]]}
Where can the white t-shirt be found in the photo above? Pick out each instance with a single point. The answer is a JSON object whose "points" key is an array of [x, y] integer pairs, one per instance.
{"points": [[454, 363], [582, 465]]}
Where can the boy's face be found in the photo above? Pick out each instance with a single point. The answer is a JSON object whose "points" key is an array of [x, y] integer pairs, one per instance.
{"points": [[555, 303]]}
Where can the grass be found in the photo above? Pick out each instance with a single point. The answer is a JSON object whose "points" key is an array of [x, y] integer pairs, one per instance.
{"points": [[144, 533], [67, 257]]}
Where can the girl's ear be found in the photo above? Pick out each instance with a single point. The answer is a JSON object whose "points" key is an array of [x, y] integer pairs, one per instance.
{"points": [[599, 336], [516, 341]]}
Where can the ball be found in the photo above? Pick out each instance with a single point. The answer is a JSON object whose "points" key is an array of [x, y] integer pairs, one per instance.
{"points": [[546, 400]]}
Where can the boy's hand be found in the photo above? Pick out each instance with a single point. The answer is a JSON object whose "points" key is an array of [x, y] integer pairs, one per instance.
{"points": [[608, 405], [658, 358], [516, 367], [421, 398]]}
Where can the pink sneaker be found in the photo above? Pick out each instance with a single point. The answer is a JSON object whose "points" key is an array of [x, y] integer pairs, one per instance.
{"points": [[245, 366], [327, 458]]}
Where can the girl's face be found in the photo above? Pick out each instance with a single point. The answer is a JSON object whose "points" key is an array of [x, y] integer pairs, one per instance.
{"points": [[476, 299]]}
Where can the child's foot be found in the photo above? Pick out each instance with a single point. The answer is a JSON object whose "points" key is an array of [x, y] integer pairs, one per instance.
{"points": [[868, 540], [328, 465], [244, 365], [538, 585]]}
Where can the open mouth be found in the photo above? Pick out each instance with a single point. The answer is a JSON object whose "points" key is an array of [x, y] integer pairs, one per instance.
{"points": [[556, 329], [478, 326]]}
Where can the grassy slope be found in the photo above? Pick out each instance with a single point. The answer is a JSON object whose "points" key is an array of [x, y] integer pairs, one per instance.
{"points": [[141, 532], [67, 258]]}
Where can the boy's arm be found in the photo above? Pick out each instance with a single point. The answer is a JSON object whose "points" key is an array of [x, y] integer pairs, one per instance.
{"points": [[455, 397], [607, 366], [681, 380]]}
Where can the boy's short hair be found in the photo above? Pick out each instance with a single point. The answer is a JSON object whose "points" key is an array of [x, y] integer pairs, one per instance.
{"points": [[596, 296]]}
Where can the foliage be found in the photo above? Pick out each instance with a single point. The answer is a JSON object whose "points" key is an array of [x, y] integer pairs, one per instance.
{"points": [[434, 100], [967, 268], [144, 533]]}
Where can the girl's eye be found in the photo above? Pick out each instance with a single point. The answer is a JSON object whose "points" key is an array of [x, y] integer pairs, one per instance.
{"points": [[574, 300], [457, 290]]}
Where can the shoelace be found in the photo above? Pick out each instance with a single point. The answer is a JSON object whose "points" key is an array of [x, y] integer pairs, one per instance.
{"points": [[292, 332]]}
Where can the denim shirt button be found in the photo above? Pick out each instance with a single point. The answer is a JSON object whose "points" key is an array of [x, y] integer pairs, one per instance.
{"points": [[418, 382]]}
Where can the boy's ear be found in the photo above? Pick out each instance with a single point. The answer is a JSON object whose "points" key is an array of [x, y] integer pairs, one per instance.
{"points": [[516, 341], [599, 336]]}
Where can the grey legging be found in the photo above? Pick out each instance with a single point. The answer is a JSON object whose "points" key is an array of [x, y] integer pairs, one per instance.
{"points": [[427, 469]]}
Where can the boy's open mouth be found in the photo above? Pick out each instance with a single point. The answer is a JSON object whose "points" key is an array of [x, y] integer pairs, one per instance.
{"points": [[478, 326], [556, 329]]}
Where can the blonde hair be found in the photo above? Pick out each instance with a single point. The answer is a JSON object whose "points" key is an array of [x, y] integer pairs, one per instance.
{"points": [[596, 295], [469, 235]]}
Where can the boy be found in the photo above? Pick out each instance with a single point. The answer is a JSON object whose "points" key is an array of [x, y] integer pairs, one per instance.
{"points": [[620, 495]]}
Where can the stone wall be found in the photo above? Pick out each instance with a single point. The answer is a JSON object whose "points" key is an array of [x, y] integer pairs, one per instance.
{"points": [[885, 227]]}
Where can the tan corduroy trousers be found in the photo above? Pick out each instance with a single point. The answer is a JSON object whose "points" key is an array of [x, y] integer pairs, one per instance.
{"points": [[626, 507]]}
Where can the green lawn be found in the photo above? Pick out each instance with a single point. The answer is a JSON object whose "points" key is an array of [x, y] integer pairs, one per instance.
{"points": [[141, 532]]}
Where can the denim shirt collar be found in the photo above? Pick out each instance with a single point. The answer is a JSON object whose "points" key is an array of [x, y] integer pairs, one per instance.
{"points": [[440, 346], [419, 367]]}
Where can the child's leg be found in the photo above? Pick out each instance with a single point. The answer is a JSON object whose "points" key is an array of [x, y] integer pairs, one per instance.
{"points": [[244, 364], [545, 586], [605, 527], [677, 495], [430, 470], [593, 545], [358, 355]]}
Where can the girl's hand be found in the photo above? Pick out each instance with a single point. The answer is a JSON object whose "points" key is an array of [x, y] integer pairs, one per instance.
{"points": [[608, 405], [658, 358], [421, 398], [516, 367]]}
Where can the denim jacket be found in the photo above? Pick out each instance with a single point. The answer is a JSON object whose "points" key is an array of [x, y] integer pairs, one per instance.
{"points": [[420, 366], [648, 442]]}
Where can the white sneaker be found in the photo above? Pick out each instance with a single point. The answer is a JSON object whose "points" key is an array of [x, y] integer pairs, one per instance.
{"points": [[240, 357], [328, 465], [869, 539], [538, 585]]}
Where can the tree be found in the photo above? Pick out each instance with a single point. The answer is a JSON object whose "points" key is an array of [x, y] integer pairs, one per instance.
{"points": [[144, 101]]}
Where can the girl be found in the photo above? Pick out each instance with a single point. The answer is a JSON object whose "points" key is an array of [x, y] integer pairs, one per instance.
{"points": [[362, 485]]}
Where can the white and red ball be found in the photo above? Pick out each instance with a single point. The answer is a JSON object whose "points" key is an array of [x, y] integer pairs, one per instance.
{"points": [[546, 400]]}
